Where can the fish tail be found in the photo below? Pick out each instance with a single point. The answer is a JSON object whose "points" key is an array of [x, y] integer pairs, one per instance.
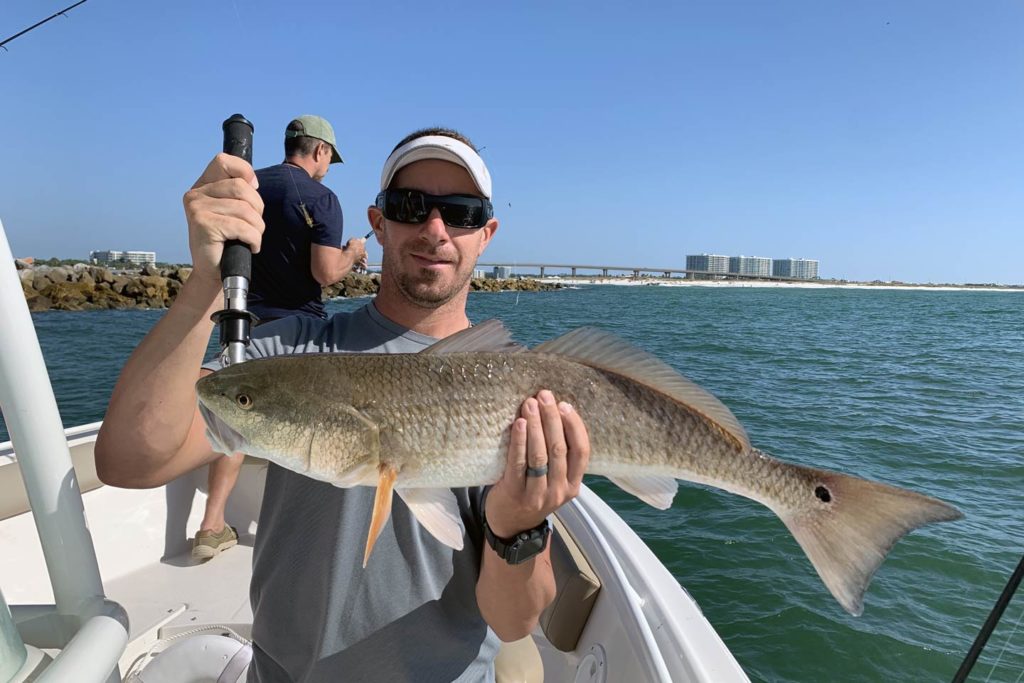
{"points": [[847, 525]]}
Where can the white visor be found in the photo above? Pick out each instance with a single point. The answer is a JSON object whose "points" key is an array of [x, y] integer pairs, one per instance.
{"points": [[438, 147]]}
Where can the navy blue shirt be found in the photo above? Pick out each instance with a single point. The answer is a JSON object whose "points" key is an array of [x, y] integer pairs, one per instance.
{"points": [[282, 279]]}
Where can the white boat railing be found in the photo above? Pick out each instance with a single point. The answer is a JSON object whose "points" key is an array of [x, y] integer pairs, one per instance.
{"points": [[90, 631]]}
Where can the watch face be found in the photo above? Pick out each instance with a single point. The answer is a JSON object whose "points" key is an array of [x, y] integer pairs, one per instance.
{"points": [[522, 546], [528, 544]]}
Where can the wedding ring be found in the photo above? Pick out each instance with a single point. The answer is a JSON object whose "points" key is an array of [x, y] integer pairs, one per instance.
{"points": [[537, 471]]}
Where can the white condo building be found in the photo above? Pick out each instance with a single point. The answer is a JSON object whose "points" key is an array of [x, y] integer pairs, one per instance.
{"points": [[137, 257], [804, 269], [709, 263], [757, 266]]}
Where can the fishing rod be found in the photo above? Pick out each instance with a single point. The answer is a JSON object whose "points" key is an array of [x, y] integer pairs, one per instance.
{"points": [[235, 321], [40, 23], [360, 268], [990, 623]]}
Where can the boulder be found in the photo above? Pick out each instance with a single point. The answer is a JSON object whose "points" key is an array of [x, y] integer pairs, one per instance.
{"points": [[39, 303], [180, 274], [68, 296], [155, 281], [353, 285], [41, 280], [60, 274], [120, 282], [104, 296], [100, 274], [35, 300]]}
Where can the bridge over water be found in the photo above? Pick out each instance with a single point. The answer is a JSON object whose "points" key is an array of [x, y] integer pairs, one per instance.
{"points": [[635, 271], [584, 270]]}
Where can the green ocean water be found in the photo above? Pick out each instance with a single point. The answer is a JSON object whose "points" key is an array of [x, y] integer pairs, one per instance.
{"points": [[923, 389]]}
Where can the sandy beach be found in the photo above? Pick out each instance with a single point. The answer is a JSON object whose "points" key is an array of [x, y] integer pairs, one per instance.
{"points": [[679, 282]]}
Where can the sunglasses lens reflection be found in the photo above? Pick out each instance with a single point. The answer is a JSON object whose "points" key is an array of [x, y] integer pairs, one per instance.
{"points": [[413, 206]]}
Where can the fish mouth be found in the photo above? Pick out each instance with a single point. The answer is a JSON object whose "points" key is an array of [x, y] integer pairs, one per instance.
{"points": [[221, 436]]}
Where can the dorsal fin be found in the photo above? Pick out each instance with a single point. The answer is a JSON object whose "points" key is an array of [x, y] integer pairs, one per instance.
{"points": [[600, 349], [490, 335]]}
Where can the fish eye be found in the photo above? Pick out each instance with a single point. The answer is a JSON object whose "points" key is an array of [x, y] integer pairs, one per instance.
{"points": [[244, 401]]}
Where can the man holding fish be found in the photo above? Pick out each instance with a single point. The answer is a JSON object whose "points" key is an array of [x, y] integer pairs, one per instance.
{"points": [[427, 609]]}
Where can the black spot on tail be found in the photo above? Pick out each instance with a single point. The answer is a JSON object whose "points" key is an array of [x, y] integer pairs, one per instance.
{"points": [[823, 494]]}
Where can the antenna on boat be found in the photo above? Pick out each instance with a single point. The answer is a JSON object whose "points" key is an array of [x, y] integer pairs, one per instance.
{"points": [[235, 321]]}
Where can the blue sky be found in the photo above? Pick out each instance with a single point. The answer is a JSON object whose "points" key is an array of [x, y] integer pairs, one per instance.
{"points": [[883, 139]]}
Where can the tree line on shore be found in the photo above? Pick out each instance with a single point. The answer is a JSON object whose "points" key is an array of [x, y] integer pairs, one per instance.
{"points": [[85, 287]]}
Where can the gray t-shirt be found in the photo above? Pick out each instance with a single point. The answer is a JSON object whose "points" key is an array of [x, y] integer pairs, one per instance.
{"points": [[412, 614]]}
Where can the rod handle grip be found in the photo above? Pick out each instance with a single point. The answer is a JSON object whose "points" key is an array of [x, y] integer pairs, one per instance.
{"points": [[237, 259]]}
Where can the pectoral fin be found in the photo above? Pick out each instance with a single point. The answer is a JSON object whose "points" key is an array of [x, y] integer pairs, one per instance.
{"points": [[438, 512], [381, 507], [656, 491]]}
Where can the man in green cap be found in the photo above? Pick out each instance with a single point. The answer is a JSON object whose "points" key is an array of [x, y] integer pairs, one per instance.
{"points": [[301, 253]]}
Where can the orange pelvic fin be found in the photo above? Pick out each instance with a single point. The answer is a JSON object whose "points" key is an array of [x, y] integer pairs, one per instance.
{"points": [[381, 507]]}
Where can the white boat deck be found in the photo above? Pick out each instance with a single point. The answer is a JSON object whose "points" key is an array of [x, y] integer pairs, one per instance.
{"points": [[144, 555]]}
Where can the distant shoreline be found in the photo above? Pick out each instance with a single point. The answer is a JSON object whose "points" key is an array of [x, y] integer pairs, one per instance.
{"points": [[751, 284]]}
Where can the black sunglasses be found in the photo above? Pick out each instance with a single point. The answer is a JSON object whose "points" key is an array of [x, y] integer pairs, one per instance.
{"points": [[413, 206]]}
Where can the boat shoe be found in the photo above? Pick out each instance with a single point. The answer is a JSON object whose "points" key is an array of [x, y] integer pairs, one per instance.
{"points": [[208, 543]]}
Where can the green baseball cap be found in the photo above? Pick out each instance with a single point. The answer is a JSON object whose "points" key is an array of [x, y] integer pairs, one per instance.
{"points": [[309, 126]]}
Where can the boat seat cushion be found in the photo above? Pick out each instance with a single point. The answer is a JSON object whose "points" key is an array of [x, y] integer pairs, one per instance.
{"points": [[519, 662], [577, 587]]}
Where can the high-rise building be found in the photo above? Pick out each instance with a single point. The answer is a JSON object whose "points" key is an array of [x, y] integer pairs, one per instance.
{"points": [[136, 257], [709, 263], [805, 269], [757, 266]]}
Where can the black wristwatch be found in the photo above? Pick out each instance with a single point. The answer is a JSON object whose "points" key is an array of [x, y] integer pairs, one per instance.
{"points": [[522, 546]]}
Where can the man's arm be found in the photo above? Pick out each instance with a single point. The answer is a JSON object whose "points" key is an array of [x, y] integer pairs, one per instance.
{"points": [[152, 431], [551, 434], [331, 264]]}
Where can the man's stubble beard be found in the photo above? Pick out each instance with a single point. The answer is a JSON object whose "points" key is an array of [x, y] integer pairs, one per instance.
{"points": [[416, 289]]}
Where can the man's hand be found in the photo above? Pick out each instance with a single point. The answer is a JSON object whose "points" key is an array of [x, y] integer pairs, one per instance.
{"points": [[547, 435], [357, 248], [222, 205]]}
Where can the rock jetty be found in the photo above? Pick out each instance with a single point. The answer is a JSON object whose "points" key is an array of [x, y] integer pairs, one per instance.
{"points": [[84, 287]]}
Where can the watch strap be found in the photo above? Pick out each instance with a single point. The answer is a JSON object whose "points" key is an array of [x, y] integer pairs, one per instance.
{"points": [[521, 547]]}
